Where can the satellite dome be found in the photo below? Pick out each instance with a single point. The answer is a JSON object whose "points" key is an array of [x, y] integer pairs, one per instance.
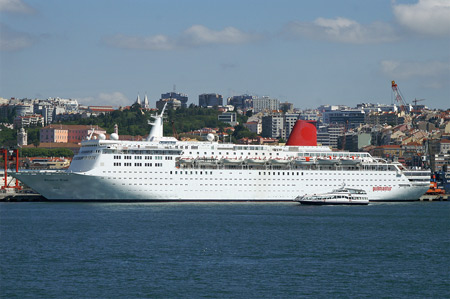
{"points": [[210, 137], [114, 136], [102, 137]]}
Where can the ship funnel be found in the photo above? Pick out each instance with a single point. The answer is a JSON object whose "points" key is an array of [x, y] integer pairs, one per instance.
{"points": [[304, 133]]}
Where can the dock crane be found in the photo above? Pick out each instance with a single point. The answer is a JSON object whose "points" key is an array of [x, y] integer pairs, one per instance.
{"points": [[399, 97], [416, 100]]}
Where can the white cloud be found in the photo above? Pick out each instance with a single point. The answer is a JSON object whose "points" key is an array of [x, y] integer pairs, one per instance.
{"points": [[11, 40], [199, 35], [428, 17], [408, 69], [157, 42], [15, 6], [342, 30], [194, 36], [107, 99]]}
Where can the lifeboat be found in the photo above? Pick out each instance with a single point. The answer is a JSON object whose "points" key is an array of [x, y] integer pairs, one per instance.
{"points": [[255, 161], [231, 161], [304, 161], [187, 160], [279, 161], [327, 161], [350, 161]]}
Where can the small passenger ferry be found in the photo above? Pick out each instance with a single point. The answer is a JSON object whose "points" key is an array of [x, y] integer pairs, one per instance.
{"points": [[341, 196]]}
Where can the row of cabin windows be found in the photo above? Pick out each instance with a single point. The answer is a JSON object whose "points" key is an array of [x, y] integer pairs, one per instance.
{"points": [[234, 153], [140, 157], [137, 164], [279, 173], [250, 184]]}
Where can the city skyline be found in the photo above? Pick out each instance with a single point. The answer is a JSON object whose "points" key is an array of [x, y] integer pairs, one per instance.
{"points": [[307, 53]]}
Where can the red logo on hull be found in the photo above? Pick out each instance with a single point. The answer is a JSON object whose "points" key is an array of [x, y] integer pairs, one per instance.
{"points": [[379, 188]]}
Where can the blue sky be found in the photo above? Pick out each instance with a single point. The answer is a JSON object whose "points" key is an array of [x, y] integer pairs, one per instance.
{"points": [[309, 53]]}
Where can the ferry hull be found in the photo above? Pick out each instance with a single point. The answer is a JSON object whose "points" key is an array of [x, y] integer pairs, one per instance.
{"points": [[327, 203]]}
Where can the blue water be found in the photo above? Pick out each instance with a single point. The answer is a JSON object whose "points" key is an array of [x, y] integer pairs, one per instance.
{"points": [[233, 250]]}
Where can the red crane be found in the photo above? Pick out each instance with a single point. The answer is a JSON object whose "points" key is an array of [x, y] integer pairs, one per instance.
{"points": [[399, 97]]}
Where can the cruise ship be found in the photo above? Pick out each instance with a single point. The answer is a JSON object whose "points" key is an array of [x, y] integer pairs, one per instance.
{"points": [[166, 169]]}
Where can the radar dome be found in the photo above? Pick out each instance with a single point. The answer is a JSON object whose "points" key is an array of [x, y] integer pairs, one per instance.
{"points": [[210, 137], [102, 137], [114, 136]]}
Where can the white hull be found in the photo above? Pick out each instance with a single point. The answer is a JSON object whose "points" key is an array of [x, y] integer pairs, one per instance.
{"points": [[332, 202], [212, 185]]}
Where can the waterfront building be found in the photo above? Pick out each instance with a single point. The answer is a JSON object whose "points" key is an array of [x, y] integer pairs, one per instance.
{"points": [[328, 135], [210, 100], [381, 118], [254, 126], [23, 109], [309, 115], [265, 104], [350, 118], [228, 117], [242, 102], [97, 110], [354, 141], [272, 126], [183, 98], [68, 133], [287, 107], [289, 120], [172, 103], [32, 120], [369, 107]]}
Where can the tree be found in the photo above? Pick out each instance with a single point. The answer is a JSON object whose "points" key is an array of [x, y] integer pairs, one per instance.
{"points": [[36, 142]]}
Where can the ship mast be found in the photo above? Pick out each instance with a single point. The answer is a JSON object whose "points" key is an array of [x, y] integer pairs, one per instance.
{"points": [[156, 132]]}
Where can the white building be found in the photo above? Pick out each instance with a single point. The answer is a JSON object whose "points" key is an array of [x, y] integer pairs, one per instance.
{"points": [[265, 104], [228, 117], [254, 126]]}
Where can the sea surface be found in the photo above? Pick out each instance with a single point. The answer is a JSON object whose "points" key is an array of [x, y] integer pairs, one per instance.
{"points": [[224, 250]]}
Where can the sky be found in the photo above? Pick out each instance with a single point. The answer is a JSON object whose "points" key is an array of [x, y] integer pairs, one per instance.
{"points": [[310, 53]]}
